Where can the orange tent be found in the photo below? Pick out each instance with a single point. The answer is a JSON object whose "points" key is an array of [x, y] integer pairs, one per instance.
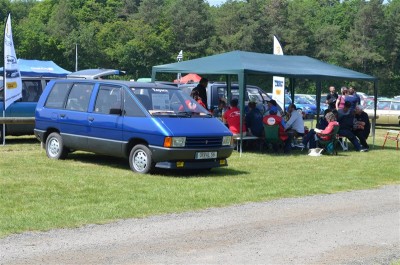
{"points": [[189, 78]]}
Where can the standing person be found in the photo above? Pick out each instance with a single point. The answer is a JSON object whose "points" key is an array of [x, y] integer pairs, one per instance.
{"points": [[331, 98], [352, 98], [202, 89], [254, 120], [232, 119], [342, 98], [362, 126], [295, 125]]}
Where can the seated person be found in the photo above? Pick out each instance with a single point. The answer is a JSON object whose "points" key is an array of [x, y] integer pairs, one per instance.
{"points": [[219, 112], [254, 120], [322, 122], [346, 121], [271, 119], [362, 126], [272, 103], [321, 134], [196, 96], [295, 125], [232, 118]]}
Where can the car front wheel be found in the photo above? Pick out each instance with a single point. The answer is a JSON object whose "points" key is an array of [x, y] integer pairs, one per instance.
{"points": [[140, 159], [55, 148]]}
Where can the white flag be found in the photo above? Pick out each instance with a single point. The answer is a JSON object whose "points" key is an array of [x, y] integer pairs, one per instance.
{"points": [[180, 56], [12, 76], [278, 82]]}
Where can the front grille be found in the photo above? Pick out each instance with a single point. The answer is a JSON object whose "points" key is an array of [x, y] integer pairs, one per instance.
{"points": [[203, 142]]}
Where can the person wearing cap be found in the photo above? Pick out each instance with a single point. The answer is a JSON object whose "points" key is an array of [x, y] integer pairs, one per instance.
{"points": [[362, 126], [232, 118], [271, 119], [309, 138], [273, 103]]}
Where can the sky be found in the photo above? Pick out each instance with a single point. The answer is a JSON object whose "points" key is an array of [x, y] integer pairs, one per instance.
{"points": [[216, 2]]}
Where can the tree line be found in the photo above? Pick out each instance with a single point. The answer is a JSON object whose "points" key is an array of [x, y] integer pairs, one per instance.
{"points": [[134, 35]]}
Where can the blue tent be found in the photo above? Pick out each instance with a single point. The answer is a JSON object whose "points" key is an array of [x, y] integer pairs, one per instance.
{"points": [[37, 68]]}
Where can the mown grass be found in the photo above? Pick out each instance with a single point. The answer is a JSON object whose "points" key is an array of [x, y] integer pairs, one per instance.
{"points": [[40, 194]]}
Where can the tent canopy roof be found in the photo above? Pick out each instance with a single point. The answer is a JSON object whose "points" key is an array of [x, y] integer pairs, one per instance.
{"points": [[37, 68], [238, 62]]}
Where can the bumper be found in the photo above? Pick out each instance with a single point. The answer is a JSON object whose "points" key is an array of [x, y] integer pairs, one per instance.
{"points": [[185, 158]]}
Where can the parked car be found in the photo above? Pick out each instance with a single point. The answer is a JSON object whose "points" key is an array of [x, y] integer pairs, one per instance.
{"points": [[35, 74], [154, 125], [388, 112], [217, 91]]}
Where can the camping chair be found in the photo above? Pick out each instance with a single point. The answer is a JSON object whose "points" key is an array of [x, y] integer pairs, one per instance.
{"points": [[330, 145], [271, 133]]}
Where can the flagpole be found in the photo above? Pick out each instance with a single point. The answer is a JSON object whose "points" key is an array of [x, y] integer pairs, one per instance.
{"points": [[4, 87], [76, 57], [179, 58]]}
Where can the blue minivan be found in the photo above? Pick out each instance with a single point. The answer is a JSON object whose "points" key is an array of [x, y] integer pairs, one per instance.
{"points": [[152, 124]]}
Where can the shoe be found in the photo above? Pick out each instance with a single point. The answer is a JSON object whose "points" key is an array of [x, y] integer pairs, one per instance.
{"points": [[363, 150]]}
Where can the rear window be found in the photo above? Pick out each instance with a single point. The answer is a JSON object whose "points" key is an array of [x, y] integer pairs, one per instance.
{"points": [[58, 95]]}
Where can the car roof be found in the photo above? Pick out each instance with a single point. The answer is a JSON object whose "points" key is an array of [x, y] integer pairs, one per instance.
{"points": [[94, 73], [119, 82]]}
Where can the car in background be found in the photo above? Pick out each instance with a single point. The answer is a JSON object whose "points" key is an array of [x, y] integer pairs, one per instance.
{"points": [[218, 91], [98, 73], [387, 111]]}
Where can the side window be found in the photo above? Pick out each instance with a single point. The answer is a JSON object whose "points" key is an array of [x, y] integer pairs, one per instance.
{"points": [[58, 95], [78, 98], [395, 106], [108, 97], [131, 108], [31, 90]]}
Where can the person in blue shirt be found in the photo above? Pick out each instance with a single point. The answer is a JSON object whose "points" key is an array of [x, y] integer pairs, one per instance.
{"points": [[254, 120]]}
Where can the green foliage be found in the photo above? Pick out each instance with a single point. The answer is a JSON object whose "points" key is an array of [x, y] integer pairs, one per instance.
{"points": [[135, 35]]}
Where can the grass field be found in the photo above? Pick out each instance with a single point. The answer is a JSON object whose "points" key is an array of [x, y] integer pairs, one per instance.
{"points": [[40, 194]]}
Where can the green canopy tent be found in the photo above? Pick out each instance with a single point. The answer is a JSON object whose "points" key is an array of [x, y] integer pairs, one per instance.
{"points": [[242, 64]]}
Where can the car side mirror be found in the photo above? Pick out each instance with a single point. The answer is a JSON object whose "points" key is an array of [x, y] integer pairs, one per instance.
{"points": [[116, 111]]}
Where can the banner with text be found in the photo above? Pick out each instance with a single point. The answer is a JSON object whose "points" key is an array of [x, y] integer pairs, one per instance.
{"points": [[278, 83], [12, 76]]}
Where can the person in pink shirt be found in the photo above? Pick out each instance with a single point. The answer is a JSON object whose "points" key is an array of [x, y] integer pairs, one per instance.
{"points": [[232, 119]]}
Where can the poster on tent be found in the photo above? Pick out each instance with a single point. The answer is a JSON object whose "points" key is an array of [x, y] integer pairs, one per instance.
{"points": [[278, 82], [12, 77]]}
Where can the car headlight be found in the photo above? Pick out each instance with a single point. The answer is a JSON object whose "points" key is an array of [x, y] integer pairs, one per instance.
{"points": [[227, 140], [174, 141], [307, 108]]}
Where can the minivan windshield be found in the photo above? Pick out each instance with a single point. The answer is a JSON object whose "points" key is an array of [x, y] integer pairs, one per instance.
{"points": [[169, 102]]}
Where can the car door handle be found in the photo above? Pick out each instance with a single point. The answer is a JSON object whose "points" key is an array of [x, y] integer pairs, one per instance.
{"points": [[62, 115], [91, 119]]}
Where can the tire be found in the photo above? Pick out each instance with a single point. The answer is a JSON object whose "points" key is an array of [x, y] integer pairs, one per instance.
{"points": [[141, 160], [55, 147]]}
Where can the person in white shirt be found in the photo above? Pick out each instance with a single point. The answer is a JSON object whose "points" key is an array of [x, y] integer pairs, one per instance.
{"points": [[295, 125]]}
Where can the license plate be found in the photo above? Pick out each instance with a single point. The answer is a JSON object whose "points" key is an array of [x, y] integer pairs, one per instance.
{"points": [[206, 155]]}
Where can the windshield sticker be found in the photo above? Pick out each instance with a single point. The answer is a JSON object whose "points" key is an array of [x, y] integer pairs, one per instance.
{"points": [[160, 101]]}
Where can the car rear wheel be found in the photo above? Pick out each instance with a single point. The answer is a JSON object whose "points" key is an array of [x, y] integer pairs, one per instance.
{"points": [[140, 159], [55, 148]]}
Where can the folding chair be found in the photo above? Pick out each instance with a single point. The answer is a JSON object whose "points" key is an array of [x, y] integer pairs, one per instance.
{"points": [[271, 133], [330, 145], [392, 137], [343, 142]]}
